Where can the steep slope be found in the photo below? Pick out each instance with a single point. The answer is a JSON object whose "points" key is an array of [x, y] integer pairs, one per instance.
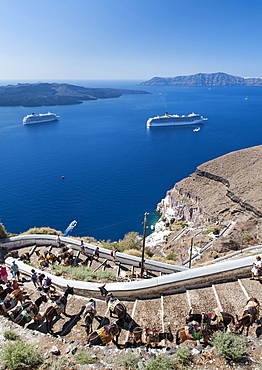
{"points": [[227, 188]]}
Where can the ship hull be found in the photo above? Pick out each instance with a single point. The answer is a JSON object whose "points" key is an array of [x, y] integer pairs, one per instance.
{"points": [[33, 119], [175, 120], [174, 123]]}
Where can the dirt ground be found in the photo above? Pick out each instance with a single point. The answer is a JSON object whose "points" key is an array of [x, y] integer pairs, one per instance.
{"points": [[70, 336]]}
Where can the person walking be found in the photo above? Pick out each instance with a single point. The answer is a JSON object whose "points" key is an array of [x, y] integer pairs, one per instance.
{"points": [[40, 279], [96, 253], [82, 247], [4, 274], [114, 256], [34, 278], [15, 271], [257, 265], [58, 240], [46, 286], [14, 284]]}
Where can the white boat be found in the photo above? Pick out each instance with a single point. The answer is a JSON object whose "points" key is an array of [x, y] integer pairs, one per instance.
{"points": [[175, 120], [39, 118]]}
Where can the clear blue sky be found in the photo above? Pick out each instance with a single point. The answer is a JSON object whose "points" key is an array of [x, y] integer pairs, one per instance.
{"points": [[129, 39]]}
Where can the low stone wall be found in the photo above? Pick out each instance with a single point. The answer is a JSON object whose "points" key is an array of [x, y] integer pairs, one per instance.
{"points": [[154, 287], [48, 240]]}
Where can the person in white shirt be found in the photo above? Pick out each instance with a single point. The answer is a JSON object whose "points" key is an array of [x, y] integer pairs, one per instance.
{"points": [[257, 265]]}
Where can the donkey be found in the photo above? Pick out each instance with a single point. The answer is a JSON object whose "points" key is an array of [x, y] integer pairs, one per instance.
{"points": [[195, 332], [41, 260], [4, 292], [250, 315], [13, 254], [25, 257], [104, 335], [150, 336], [27, 311], [89, 314], [11, 301], [221, 319], [115, 306], [57, 308]]}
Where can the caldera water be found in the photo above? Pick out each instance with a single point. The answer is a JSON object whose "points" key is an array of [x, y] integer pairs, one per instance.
{"points": [[101, 166]]}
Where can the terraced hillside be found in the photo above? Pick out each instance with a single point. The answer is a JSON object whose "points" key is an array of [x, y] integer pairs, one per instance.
{"points": [[168, 310]]}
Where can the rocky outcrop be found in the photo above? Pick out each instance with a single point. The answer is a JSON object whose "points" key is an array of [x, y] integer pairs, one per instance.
{"points": [[46, 94], [226, 188], [205, 79]]}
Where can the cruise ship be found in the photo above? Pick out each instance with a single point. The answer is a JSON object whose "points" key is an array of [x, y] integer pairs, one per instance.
{"points": [[39, 118], [175, 120]]}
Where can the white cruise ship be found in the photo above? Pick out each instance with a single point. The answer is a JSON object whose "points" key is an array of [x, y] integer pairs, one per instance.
{"points": [[39, 118], [175, 120]]}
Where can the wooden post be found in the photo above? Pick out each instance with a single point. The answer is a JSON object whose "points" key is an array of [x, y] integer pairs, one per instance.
{"points": [[118, 269], [143, 246], [101, 264], [191, 250], [32, 250]]}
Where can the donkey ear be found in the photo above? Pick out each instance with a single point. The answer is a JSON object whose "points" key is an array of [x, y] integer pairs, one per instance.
{"points": [[237, 317], [190, 311]]}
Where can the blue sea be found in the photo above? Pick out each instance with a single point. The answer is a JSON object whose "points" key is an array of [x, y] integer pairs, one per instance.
{"points": [[114, 168]]}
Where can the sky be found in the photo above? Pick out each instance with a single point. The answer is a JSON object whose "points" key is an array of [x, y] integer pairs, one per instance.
{"points": [[128, 39]]}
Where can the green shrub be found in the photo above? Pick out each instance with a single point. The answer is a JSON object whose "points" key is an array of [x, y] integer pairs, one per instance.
{"points": [[54, 364], [105, 275], [42, 230], [20, 356], [134, 252], [83, 358], [82, 273], [215, 231], [130, 361], [183, 356], [11, 335], [230, 346], [247, 237], [171, 256], [161, 362], [3, 233], [164, 260], [132, 240]]}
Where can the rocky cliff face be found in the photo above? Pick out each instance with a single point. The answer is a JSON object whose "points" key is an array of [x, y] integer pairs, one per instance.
{"points": [[224, 189]]}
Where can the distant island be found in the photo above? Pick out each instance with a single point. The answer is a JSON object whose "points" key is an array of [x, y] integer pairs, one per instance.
{"points": [[205, 79], [50, 94]]}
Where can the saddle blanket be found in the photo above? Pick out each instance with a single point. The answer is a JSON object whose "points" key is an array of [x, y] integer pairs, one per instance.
{"points": [[104, 335], [191, 333], [113, 305], [59, 309]]}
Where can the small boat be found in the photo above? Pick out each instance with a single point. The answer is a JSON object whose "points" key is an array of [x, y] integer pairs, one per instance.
{"points": [[39, 118], [175, 120], [196, 129]]}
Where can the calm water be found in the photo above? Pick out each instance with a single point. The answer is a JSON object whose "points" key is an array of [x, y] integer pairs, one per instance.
{"points": [[115, 168]]}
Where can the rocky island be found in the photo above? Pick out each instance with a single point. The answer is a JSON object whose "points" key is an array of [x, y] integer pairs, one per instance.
{"points": [[50, 94], [205, 79]]}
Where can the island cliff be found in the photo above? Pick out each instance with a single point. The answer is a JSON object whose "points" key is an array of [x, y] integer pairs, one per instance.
{"points": [[46, 94], [224, 190], [205, 79]]}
